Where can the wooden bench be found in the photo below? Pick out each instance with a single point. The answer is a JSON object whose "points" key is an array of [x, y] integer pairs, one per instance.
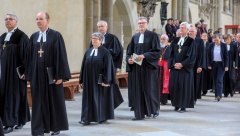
{"points": [[122, 79], [70, 87]]}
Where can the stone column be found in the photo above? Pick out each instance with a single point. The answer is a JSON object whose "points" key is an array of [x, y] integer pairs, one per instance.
{"points": [[185, 14], [179, 9], [235, 12], [215, 19], [226, 6], [107, 13], [174, 9], [96, 14], [89, 21], [219, 13]]}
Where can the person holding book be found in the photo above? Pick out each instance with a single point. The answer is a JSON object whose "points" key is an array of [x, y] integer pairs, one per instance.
{"points": [[48, 68], [14, 109], [97, 79], [142, 61]]}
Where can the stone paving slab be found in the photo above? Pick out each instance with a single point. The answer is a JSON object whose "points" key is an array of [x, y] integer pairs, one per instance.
{"points": [[208, 118]]}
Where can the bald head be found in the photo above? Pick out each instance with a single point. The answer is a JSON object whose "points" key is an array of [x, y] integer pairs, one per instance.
{"points": [[42, 20]]}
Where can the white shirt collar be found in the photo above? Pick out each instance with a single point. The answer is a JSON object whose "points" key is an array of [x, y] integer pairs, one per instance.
{"points": [[95, 53], [141, 38], [182, 40], [9, 34], [42, 34]]}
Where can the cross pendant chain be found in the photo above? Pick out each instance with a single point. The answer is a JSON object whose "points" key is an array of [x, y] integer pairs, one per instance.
{"points": [[4, 45], [40, 51]]}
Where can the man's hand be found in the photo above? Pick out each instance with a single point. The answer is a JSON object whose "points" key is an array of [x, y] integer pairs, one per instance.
{"points": [[178, 66], [140, 57], [105, 85], [59, 81], [209, 67], [199, 70], [130, 60], [226, 68]]}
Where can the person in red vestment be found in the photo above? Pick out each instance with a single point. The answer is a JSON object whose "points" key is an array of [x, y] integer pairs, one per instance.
{"points": [[163, 70]]}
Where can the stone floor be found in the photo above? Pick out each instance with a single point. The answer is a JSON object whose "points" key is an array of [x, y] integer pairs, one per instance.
{"points": [[208, 118]]}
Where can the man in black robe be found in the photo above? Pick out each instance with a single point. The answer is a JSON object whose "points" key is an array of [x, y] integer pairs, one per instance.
{"points": [[198, 63], [111, 42], [47, 50], [181, 62], [13, 88], [98, 95], [145, 76]]}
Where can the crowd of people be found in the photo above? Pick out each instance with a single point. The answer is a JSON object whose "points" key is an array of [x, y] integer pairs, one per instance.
{"points": [[181, 66]]}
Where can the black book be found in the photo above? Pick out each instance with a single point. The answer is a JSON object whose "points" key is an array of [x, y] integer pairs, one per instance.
{"points": [[51, 75], [100, 79], [20, 71]]}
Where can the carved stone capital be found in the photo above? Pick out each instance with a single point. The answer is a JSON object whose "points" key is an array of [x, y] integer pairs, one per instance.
{"points": [[206, 9]]}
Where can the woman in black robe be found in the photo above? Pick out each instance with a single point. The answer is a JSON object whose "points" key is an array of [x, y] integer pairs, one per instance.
{"points": [[97, 79], [230, 75]]}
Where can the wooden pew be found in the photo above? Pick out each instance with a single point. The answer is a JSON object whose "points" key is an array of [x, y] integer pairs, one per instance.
{"points": [[122, 79]]}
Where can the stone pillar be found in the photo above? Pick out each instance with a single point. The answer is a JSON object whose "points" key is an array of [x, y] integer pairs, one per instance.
{"points": [[185, 14], [215, 19], [179, 9], [107, 13], [226, 6], [174, 9], [235, 12], [96, 14], [89, 21], [219, 13]]}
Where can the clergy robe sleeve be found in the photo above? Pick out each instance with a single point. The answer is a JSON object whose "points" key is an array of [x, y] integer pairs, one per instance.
{"points": [[171, 60], [108, 69], [23, 47], [29, 56], [190, 59], [60, 57], [225, 55], [154, 53], [82, 69], [200, 61], [116, 49], [130, 51]]}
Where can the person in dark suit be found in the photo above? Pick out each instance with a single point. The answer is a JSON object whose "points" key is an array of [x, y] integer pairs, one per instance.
{"points": [[218, 62], [169, 29], [230, 75]]}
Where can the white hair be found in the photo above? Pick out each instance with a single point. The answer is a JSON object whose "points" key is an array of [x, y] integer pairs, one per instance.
{"points": [[102, 21], [186, 24], [140, 18]]}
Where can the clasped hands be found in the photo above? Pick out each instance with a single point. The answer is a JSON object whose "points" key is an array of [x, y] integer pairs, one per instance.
{"points": [[178, 66]]}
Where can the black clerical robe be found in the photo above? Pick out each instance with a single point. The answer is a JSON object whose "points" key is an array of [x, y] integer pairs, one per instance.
{"points": [[1, 128], [48, 103], [169, 31], [130, 91], [14, 108], [144, 84], [181, 83], [199, 63], [97, 101]]}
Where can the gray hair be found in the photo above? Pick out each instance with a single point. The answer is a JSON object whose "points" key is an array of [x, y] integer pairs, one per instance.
{"points": [[102, 21], [217, 35], [194, 28], [140, 18], [99, 35], [12, 15], [186, 24]]}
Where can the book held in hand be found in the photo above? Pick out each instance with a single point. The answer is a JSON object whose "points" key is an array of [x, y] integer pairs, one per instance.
{"points": [[51, 74], [136, 60], [20, 71]]}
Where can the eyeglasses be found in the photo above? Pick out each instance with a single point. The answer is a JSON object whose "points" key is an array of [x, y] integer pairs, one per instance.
{"points": [[10, 19], [141, 23], [40, 19]]}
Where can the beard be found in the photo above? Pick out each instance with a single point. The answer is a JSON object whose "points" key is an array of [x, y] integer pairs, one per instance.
{"points": [[162, 45]]}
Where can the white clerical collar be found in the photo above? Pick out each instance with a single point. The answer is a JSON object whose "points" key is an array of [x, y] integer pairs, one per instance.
{"points": [[141, 38], [9, 34], [42, 34], [103, 42], [182, 40], [95, 52]]}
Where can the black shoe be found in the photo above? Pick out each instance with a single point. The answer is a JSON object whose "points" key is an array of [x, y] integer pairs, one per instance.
{"points": [[176, 109], [135, 119], [132, 109], [55, 133], [182, 110], [7, 130], [84, 123], [20, 126], [102, 122], [218, 98], [203, 94]]}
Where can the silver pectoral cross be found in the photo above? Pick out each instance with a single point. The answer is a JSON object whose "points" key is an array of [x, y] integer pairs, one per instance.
{"points": [[40, 52]]}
